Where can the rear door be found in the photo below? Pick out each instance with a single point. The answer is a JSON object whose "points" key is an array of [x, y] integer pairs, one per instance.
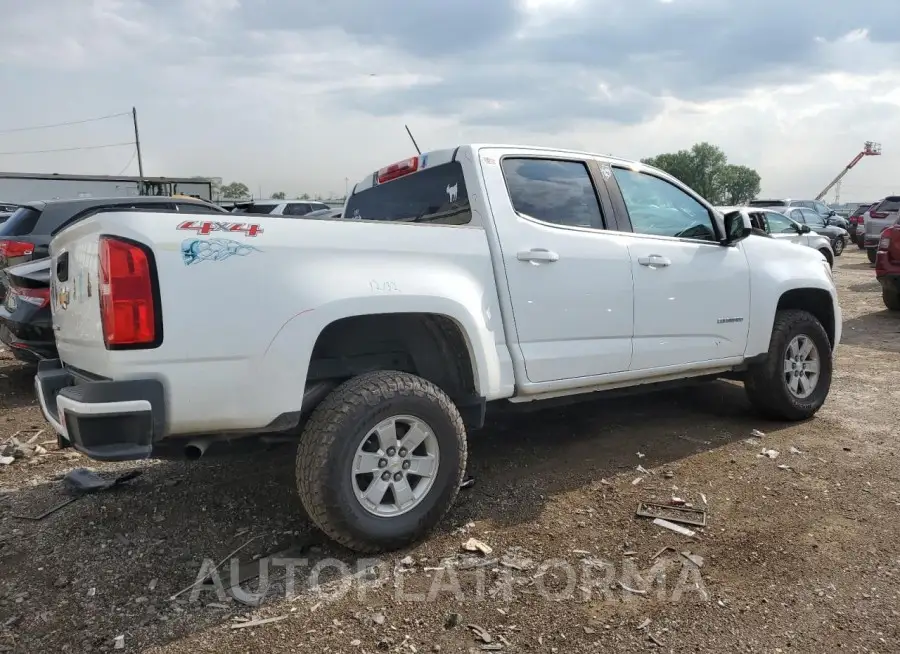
{"points": [[691, 294], [567, 269]]}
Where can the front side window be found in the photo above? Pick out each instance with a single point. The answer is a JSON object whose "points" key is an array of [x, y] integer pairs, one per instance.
{"points": [[812, 218], [255, 208], [797, 215], [660, 208], [553, 191], [779, 223]]}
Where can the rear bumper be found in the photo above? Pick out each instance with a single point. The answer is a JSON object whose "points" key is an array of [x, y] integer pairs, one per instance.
{"points": [[27, 350], [105, 420]]}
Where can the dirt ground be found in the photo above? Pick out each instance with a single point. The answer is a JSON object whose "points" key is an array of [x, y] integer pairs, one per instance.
{"points": [[800, 552]]}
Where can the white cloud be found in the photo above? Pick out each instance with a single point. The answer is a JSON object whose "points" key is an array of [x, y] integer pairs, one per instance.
{"points": [[296, 96]]}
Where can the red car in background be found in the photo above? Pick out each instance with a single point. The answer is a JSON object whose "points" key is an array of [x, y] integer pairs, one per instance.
{"points": [[887, 266]]}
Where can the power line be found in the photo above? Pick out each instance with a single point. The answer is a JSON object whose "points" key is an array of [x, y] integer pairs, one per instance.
{"points": [[71, 122], [133, 155], [83, 147]]}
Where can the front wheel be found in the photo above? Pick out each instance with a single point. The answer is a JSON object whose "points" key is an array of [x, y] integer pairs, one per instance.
{"points": [[793, 381], [381, 460], [891, 299]]}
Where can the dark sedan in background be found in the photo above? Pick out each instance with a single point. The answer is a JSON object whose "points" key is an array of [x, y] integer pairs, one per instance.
{"points": [[838, 236], [25, 320]]}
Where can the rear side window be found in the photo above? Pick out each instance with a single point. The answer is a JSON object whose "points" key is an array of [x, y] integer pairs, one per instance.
{"points": [[21, 223], [766, 203], [887, 206], [196, 208], [435, 195], [553, 191], [256, 208], [860, 210]]}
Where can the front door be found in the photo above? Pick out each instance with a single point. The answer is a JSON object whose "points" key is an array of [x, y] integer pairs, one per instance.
{"points": [[691, 294], [568, 278]]}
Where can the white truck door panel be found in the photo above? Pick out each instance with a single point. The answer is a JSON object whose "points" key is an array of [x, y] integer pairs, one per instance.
{"points": [[569, 281], [694, 309], [691, 295]]}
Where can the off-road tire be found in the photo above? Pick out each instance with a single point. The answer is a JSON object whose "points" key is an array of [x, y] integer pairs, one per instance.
{"points": [[765, 383], [871, 253], [329, 443], [891, 299]]}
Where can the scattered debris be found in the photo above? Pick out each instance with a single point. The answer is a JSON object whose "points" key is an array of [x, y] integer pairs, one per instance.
{"points": [[772, 454], [82, 480], [216, 567], [589, 630], [782, 466], [684, 514], [794, 450], [703, 497], [475, 545], [657, 555], [677, 501], [758, 434], [481, 633], [643, 470], [407, 561], [119, 642], [644, 624], [671, 526], [668, 474], [452, 620], [7, 460], [654, 640], [257, 623], [468, 482], [641, 455], [637, 481], [152, 585], [629, 589], [52, 509], [696, 559]]}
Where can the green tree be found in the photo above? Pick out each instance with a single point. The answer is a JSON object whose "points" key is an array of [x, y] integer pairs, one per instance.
{"points": [[740, 184], [705, 169], [279, 195], [305, 196], [235, 190]]}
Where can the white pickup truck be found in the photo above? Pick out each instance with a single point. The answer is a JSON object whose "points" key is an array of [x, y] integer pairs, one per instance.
{"points": [[456, 279]]}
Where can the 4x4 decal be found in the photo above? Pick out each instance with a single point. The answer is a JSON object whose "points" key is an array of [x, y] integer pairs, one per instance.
{"points": [[206, 227]]}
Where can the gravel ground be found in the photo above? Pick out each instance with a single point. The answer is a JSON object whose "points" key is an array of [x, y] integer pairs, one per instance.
{"points": [[797, 558]]}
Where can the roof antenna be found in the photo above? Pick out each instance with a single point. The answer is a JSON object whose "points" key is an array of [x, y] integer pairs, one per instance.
{"points": [[412, 138]]}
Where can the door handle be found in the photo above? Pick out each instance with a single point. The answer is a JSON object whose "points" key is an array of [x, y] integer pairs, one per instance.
{"points": [[538, 254], [654, 261]]}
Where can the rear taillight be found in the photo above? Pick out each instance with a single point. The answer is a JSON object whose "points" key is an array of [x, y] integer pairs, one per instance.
{"points": [[127, 301], [39, 297], [12, 249], [884, 243], [878, 215]]}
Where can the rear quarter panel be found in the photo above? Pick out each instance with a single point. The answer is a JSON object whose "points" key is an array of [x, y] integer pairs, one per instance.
{"points": [[241, 313]]}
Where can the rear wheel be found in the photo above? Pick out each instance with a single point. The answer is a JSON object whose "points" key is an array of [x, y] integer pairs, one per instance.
{"points": [[793, 382], [381, 461], [860, 242], [828, 257], [871, 252], [838, 246], [891, 299]]}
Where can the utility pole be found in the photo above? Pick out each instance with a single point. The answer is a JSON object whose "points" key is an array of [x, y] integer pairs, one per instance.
{"points": [[137, 145]]}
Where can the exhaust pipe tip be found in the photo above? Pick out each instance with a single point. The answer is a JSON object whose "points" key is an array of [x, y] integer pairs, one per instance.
{"points": [[195, 449]]}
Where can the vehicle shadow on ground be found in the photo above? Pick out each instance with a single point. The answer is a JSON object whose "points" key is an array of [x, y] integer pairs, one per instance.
{"points": [[879, 330], [17, 387], [868, 287], [162, 525], [862, 265]]}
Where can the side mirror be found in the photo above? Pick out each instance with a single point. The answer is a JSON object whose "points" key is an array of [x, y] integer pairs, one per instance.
{"points": [[804, 229], [737, 227]]}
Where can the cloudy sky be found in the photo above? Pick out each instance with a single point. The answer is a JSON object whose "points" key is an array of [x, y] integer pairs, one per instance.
{"points": [[297, 95]]}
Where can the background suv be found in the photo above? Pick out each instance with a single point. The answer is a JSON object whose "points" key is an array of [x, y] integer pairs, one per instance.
{"points": [[876, 219]]}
